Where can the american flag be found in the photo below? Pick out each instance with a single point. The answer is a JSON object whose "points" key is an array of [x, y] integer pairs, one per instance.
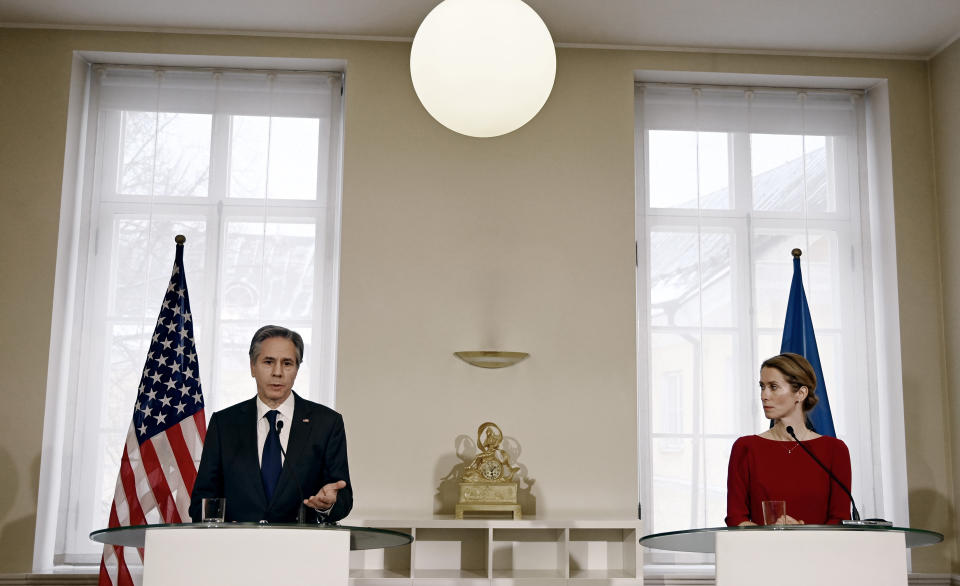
{"points": [[162, 450]]}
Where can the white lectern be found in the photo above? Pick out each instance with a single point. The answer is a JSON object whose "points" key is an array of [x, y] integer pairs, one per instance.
{"points": [[246, 556], [242, 554], [802, 554], [802, 558]]}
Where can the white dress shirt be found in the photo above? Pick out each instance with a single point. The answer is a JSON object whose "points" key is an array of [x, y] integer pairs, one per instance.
{"points": [[263, 425]]}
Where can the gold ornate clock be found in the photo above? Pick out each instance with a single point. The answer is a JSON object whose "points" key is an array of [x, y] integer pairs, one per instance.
{"points": [[487, 484]]}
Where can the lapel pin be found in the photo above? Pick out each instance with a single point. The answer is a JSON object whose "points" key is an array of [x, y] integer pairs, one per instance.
{"points": [[306, 420]]}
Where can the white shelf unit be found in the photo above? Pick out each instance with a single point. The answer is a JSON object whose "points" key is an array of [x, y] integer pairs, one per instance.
{"points": [[529, 552]]}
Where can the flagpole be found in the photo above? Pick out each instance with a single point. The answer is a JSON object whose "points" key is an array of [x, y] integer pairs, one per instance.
{"points": [[162, 449], [799, 338]]}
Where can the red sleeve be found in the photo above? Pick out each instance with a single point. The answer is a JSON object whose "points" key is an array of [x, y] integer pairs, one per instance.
{"points": [[738, 482], [839, 508]]}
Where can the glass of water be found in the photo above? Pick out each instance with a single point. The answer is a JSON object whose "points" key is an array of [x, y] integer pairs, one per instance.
{"points": [[213, 509]]}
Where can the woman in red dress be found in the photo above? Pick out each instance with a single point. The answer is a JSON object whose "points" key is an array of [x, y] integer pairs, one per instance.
{"points": [[773, 466]]}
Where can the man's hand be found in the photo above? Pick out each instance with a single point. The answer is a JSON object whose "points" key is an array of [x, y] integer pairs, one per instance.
{"points": [[327, 497]]}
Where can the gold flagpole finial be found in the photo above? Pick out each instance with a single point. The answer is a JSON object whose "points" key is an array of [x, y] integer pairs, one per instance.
{"points": [[180, 238], [796, 252]]}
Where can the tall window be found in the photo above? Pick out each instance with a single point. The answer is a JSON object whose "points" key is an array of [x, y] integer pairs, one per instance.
{"points": [[732, 181], [245, 164]]}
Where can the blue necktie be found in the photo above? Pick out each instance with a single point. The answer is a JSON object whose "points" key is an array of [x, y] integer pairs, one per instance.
{"points": [[270, 464]]}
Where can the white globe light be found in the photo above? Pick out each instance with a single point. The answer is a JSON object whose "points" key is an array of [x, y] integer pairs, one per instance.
{"points": [[483, 67]]}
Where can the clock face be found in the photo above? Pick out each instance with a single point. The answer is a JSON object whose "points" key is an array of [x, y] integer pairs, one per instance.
{"points": [[491, 469]]}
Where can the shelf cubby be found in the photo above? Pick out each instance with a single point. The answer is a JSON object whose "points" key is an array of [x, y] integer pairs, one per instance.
{"points": [[604, 553], [499, 552]]}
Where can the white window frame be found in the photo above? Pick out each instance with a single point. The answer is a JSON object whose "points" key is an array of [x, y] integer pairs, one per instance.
{"points": [[80, 219], [879, 344]]}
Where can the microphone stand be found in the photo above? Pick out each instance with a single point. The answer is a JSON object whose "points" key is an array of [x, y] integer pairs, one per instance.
{"points": [[856, 514]]}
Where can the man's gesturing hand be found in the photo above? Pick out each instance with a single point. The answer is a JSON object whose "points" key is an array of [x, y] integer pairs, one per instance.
{"points": [[327, 497]]}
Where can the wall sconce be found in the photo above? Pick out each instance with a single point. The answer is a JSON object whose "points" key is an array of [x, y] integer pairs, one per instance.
{"points": [[483, 67], [491, 358]]}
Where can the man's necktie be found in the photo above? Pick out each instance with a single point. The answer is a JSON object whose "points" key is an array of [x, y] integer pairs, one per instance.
{"points": [[270, 464]]}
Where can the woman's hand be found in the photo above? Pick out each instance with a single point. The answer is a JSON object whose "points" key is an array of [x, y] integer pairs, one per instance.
{"points": [[784, 520]]}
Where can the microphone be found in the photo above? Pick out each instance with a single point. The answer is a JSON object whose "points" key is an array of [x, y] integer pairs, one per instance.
{"points": [[293, 469], [856, 513]]}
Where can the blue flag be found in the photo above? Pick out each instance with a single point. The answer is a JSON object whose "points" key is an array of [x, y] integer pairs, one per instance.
{"points": [[798, 337]]}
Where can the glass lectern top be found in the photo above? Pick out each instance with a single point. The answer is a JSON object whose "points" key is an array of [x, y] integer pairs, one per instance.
{"points": [[704, 540], [360, 537]]}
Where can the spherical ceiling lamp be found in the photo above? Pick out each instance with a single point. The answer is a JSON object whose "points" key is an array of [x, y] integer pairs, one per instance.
{"points": [[483, 67]]}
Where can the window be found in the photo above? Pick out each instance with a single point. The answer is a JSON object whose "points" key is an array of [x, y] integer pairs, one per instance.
{"points": [[731, 180], [246, 165]]}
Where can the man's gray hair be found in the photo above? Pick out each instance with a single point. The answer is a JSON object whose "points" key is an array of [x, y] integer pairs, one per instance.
{"points": [[267, 332]]}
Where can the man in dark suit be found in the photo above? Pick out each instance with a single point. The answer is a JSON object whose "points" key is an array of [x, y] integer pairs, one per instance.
{"points": [[276, 453]]}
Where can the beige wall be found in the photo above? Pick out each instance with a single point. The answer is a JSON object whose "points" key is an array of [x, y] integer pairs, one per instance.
{"points": [[523, 242], [945, 91]]}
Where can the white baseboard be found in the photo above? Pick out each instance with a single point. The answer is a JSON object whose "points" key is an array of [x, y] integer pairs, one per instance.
{"points": [[654, 580], [49, 579], [676, 580], [709, 580]]}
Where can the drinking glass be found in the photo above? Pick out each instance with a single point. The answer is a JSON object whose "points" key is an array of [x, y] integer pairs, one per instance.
{"points": [[212, 510], [775, 513]]}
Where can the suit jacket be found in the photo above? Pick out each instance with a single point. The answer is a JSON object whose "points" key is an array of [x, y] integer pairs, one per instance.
{"points": [[230, 466]]}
